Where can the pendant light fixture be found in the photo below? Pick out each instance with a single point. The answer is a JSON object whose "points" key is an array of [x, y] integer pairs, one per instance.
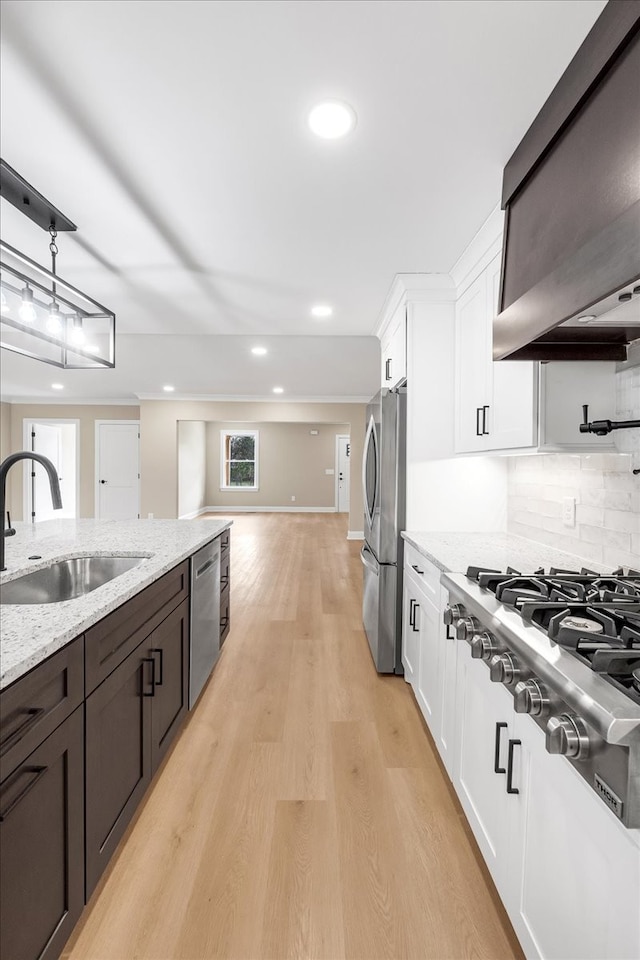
{"points": [[43, 316]]}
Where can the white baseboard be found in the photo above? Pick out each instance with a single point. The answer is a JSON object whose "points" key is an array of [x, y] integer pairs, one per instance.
{"points": [[232, 509], [355, 535], [194, 514]]}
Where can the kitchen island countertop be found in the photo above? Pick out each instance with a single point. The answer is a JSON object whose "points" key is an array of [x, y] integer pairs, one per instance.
{"points": [[32, 632], [454, 552]]}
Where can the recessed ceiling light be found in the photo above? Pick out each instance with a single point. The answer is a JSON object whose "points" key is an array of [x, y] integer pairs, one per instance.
{"points": [[259, 351], [57, 386], [332, 119], [168, 389], [278, 390], [588, 317], [321, 310]]}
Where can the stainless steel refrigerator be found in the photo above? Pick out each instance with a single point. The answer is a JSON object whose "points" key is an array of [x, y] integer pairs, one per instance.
{"points": [[383, 476]]}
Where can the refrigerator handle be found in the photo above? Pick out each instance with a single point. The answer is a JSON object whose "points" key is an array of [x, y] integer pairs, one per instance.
{"points": [[370, 438], [367, 563]]}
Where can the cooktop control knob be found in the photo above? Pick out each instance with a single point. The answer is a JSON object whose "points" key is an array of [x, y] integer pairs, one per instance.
{"points": [[504, 668], [466, 627], [530, 696], [483, 646], [452, 613], [568, 736]]}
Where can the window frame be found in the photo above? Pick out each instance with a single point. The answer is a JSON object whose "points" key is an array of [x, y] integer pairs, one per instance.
{"points": [[224, 434]]}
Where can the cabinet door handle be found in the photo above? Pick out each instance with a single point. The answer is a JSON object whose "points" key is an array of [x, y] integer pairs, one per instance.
{"points": [[411, 611], [153, 677], [387, 369], [496, 757], [414, 625], [414, 566], [32, 716], [478, 430], [510, 787], [159, 650], [485, 410], [36, 774]]}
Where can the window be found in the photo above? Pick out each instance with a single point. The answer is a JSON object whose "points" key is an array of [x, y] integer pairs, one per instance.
{"points": [[239, 460]]}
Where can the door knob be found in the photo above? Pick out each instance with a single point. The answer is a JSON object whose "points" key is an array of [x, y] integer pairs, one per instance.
{"points": [[103, 481]]}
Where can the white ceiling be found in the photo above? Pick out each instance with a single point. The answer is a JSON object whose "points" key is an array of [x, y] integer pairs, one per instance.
{"points": [[210, 218]]}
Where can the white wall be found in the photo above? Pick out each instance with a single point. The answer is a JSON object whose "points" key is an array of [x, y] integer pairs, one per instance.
{"points": [[192, 466], [461, 494]]}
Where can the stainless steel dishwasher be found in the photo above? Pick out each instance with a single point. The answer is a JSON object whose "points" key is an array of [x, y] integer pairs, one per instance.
{"points": [[205, 617]]}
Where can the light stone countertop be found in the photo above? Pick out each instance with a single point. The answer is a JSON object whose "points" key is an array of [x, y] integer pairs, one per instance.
{"points": [[454, 552], [29, 633]]}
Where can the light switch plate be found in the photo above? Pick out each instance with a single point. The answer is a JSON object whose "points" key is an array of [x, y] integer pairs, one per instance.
{"points": [[569, 511]]}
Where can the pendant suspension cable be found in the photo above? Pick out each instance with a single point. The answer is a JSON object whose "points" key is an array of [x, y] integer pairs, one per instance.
{"points": [[53, 247]]}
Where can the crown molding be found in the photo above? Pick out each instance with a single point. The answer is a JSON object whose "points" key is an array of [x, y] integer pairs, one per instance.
{"points": [[220, 398], [480, 251], [414, 288], [70, 402]]}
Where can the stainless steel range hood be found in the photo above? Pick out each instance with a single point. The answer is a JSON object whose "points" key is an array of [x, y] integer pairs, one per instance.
{"points": [[571, 192]]}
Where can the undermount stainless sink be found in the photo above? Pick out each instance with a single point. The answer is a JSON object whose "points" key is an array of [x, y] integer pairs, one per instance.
{"points": [[65, 579]]}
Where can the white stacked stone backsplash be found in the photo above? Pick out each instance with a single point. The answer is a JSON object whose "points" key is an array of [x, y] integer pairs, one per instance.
{"points": [[607, 495]]}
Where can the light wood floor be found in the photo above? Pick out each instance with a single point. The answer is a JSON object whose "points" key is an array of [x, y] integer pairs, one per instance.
{"points": [[302, 812]]}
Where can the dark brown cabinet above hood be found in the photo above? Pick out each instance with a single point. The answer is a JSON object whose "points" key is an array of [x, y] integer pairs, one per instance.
{"points": [[571, 192]]}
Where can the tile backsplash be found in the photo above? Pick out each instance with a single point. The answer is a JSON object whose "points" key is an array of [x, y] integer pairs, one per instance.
{"points": [[607, 497]]}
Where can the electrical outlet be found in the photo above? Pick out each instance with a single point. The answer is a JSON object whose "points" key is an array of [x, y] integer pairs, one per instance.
{"points": [[293, 498], [569, 511], [149, 516]]}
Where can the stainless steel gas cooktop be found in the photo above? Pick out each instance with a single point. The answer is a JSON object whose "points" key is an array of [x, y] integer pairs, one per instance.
{"points": [[567, 645]]}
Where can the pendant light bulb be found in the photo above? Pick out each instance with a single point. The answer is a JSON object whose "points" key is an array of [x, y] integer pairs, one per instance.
{"points": [[5, 304], [54, 320], [77, 333], [27, 310]]}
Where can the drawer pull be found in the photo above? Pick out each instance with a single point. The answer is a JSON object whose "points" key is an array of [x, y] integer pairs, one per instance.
{"points": [[496, 760], [33, 714], [414, 566], [160, 666], [153, 677], [510, 786], [36, 774]]}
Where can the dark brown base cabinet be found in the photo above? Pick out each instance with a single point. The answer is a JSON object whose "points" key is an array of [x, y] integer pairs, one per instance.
{"points": [[81, 736], [225, 585], [42, 846], [131, 719]]}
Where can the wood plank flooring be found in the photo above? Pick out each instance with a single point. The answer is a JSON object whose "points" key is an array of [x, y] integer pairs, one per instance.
{"points": [[303, 812]]}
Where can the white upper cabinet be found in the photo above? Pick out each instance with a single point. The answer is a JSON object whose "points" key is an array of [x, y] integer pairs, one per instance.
{"points": [[516, 405], [393, 345], [496, 403]]}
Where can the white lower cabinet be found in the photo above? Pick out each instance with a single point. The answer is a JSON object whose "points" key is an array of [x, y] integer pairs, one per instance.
{"points": [[445, 735], [428, 652], [574, 886], [566, 870], [410, 635]]}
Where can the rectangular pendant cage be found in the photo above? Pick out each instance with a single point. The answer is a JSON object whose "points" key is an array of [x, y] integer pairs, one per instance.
{"points": [[45, 318]]}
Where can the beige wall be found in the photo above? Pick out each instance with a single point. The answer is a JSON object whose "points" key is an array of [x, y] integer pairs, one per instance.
{"points": [[292, 462], [159, 441], [5, 430], [192, 466], [87, 414]]}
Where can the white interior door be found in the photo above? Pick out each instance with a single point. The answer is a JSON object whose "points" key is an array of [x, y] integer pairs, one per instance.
{"points": [[117, 469], [343, 460], [57, 442]]}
